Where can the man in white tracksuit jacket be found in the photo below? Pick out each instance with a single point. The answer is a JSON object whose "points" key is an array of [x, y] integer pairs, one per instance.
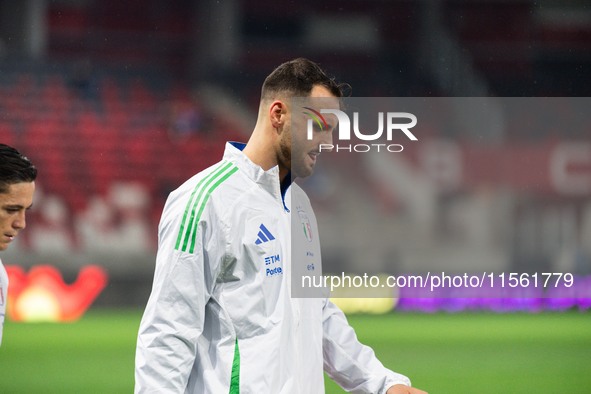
{"points": [[220, 318], [17, 186]]}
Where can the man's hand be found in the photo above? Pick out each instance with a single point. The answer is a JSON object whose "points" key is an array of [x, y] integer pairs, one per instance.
{"points": [[402, 389]]}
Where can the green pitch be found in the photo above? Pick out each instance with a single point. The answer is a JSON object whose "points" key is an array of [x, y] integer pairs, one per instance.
{"points": [[442, 353]]}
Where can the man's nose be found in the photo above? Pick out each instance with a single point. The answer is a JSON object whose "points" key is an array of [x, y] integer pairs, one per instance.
{"points": [[326, 137], [20, 222]]}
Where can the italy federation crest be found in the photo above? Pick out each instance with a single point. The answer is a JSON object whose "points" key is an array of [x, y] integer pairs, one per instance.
{"points": [[306, 226]]}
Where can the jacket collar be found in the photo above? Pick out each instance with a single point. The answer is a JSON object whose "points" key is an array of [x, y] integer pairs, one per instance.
{"points": [[268, 180]]}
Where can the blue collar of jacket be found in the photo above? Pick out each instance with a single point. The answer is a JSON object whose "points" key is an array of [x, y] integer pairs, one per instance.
{"points": [[268, 180]]}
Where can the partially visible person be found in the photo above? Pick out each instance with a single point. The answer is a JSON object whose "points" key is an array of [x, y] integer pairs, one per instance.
{"points": [[17, 185]]}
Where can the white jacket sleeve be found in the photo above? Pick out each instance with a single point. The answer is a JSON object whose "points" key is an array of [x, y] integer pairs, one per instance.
{"points": [[174, 316], [349, 363]]}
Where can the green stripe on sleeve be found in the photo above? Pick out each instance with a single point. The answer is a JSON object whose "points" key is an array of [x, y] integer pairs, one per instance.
{"points": [[191, 202], [235, 376], [193, 237], [197, 203], [189, 213]]}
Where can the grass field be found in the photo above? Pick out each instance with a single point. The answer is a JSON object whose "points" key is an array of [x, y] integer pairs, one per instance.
{"points": [[442, 353]]}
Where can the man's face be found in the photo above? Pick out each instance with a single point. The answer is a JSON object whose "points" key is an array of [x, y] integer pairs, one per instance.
{"points": [[294, 143], [13, 206]]}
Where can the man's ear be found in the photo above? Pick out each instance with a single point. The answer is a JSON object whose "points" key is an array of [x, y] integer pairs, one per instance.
{"points": [[277, 112]]}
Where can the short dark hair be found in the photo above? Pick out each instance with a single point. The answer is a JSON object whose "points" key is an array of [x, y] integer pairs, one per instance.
{"points": [[14, 168], [297, 78]]}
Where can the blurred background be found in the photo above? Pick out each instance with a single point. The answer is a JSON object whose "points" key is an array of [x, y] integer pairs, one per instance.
{"points": [[119, 102]]}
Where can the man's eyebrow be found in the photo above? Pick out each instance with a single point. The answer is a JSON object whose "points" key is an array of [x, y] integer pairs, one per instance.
{"points": [[16, 206]]}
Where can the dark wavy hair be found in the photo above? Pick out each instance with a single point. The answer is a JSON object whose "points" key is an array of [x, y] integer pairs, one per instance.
{"points": [[14, 168], [297, 78]]}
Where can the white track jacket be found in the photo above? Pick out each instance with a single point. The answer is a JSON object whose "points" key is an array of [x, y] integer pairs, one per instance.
{"points": [[220, 318], [3, 296]]}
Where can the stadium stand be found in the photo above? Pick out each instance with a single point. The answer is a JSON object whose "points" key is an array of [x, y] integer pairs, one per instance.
{"points": [[121, 131]]}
